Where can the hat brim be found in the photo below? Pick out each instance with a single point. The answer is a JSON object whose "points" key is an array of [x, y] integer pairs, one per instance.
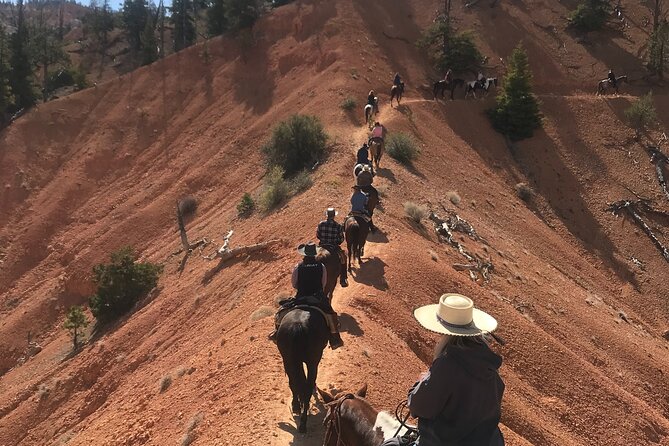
{"points": [[482, 322], [301, 251]]}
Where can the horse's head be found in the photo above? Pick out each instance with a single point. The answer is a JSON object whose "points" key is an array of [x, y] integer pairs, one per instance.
{"points": [[493, 80], [350, 419]]}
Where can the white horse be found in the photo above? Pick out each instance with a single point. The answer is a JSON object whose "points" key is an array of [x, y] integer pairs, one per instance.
{"points": [[370, 111], [476, 85]]}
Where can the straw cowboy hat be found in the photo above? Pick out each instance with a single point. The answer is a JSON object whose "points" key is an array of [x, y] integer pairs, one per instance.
{"points": [[307, 250], [455, 315]]}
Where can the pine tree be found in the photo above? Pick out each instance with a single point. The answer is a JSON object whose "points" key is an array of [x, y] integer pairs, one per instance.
{"points": [[149, 43], [242, 14], [658, 45], [184, 27], [135, 14], [590, 15], [21, 76], [6, 97], [216, 23], [75, 321], [516, 114], [449, 50], [45, 47]]}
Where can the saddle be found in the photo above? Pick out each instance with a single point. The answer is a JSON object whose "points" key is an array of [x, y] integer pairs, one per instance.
{"points": [[360, 215], [302, 302]]}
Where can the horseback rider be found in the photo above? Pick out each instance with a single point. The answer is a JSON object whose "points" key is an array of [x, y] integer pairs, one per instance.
{"points": [[309, 278], [481, 80], [460, 397], [378, 133], [397, 80], [448, 77], [612, 79], [330, 235], [363, 155], [359, 201], [373, 101]]}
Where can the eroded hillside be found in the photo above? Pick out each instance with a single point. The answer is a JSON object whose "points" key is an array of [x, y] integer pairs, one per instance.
{"points": [[84, 175]]}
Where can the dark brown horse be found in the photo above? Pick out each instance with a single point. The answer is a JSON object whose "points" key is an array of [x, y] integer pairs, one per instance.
{"points": [[356, 230], [396, 92], [352, 421], [605, 84], [301, 339], [441, 87], [332, 266]]}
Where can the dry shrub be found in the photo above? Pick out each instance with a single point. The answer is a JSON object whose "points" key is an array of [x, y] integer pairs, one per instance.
{"points": [[433, 255], [165, 383], [524, 191], [415, 212], [454, 197], [282, 296], [187, 205], [262, 313], [189, 435]]}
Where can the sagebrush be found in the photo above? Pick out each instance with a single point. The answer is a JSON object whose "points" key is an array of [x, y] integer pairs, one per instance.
{"points": [[121, 283], [641, 114], [296, 144], [402, 147], [415, 212], [246, 206]]}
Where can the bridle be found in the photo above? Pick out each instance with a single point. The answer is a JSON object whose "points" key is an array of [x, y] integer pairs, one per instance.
{"points": [[399, 410], [333, 420]]}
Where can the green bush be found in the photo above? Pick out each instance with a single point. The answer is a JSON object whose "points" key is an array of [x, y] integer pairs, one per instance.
{"points": [[516, 114], [459, 54], [275, 191], [402, 147], [641, 114], [121, 283], [590, 15], [246, 206], [296, 144], [66, 77], [300, 182], [349, 104]]}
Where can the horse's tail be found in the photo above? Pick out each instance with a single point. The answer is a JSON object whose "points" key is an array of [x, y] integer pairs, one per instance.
{"points": [[292, 349], [352, 236]]}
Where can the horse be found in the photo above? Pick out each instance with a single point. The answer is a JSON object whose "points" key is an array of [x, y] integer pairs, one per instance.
{"points": [[476, 85], [396, 92], [356, 229], [351, 420], [371, 111], [604, 84], [301, 339], [376, 151], [442, 86]]}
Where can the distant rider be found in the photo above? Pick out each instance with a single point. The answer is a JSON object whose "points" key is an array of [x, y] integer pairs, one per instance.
{"points": [[612, 79], [359, 201], [481, 79], [398, 80], [448, 78], [363, 155], [373, 101], [330, 234]]}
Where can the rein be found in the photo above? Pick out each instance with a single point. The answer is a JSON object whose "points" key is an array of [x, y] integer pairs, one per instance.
{"points": [[333, 420], [398, 414]]}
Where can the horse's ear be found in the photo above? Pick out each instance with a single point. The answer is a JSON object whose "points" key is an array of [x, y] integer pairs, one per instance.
{"points": [[327, 398], [363, 391]]}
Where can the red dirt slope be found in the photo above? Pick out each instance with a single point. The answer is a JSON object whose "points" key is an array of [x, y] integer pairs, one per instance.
{"points": [[585, 363]]}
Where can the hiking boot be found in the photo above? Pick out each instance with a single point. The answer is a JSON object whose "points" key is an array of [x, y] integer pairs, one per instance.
{"points": [[335, 341]]}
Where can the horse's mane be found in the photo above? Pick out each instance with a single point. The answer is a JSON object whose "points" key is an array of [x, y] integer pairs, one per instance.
{"points": [[388, 425]]}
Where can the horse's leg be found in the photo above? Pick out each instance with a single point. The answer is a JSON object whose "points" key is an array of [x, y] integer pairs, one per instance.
{"points": [[348, 248], [293, 371]]}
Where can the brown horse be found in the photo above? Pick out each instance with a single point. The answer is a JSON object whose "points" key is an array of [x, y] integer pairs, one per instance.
{"points": [[376, 147], [333, 268], [352, 421], [396, 92], [442, 86], [355, 229]]}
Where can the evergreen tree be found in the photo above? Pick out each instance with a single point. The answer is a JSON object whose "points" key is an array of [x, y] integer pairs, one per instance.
{"points": [[45, 47], [149, 43], [216, 23], [184, 27], [6, 97], [20, 79], [75, 321], [516, 114], [590, 15], [449, 50], [242, 14], [135, 14], [658, 45]]}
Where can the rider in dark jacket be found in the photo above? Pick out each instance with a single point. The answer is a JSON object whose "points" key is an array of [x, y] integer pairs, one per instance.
{"points": [[363, 155], [398, 80], [612, 79]]}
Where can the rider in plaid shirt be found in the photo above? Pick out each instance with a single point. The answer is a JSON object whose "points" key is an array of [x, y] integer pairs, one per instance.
{"points": [[331, 235]]}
